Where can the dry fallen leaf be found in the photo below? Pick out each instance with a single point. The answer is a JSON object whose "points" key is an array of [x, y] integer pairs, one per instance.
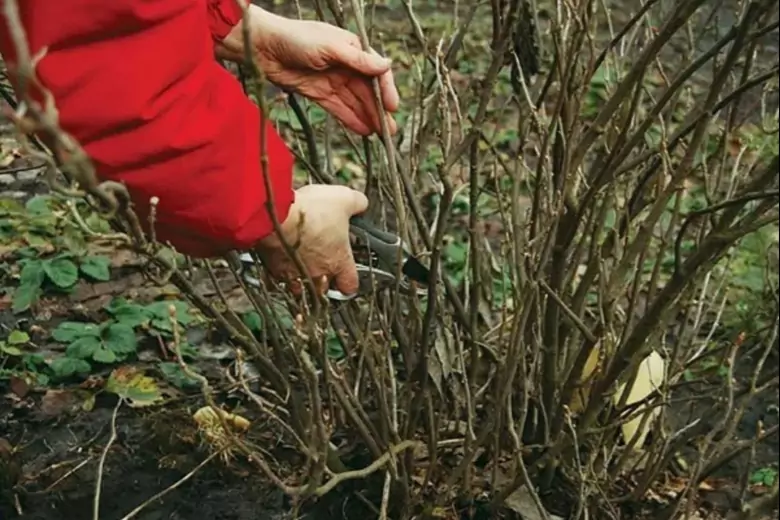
{"points": [[58, 402], [522, 503], [19, 386], [650, 376]]}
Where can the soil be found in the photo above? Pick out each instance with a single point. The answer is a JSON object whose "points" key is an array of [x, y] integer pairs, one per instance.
{"points": [[50, 457], [150, 454]]}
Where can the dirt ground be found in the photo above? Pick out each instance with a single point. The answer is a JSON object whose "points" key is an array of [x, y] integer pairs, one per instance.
{"points": [[50, 449]]}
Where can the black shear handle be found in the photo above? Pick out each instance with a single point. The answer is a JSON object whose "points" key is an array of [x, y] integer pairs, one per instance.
{"points": [[364, 225]]}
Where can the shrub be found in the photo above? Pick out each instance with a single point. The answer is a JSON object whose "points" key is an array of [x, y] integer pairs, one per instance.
{"points": [[587, 234]]}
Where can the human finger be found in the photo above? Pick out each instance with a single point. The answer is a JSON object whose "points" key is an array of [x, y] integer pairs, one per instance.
{"points": [[346, 279], [361, 96], [387, 87], [355, 58], [357, 202], [341, 111]]}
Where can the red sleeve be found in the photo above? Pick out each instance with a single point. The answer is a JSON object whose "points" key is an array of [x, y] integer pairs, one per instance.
{"points": [[223, 16], [155, 111]]}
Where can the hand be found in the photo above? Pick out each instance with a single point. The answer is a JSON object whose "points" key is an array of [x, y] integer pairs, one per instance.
{"points": [[323, 63], [318, 223]]}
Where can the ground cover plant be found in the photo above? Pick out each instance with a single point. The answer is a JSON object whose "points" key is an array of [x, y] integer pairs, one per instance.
{"points": [[595, 188]]}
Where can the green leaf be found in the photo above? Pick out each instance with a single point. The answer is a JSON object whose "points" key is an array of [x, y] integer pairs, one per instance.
{"points": [[128, 313], [83, 348], [36, 242], [10, 350], [72, 240], [456, 253], [18, 337], [33, 360], [162, 325], [188, 351], [253, 321], [68, 331], [67, 366], [30, 281], [176, 376], [62, 272], [39, 205], [104, 355], [97, 224], [130, 383], [160, 311], [96, 267], [120, 339], [334, 348], [764, 476]]}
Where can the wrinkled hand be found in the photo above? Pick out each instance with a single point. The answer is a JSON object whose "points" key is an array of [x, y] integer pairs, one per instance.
{"points": [[325, 64], [318, 223]]}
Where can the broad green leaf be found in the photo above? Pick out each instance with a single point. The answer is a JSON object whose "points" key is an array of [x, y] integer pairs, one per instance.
{"points": [[84, 347], [9, 206], [253, 321], [333, 347], [188, 351], [162, 325], [62, 272], [73, 240], [10, 350], [33, 360], [96, 267], [67, 366], [97, 223], [30, 280], [39, 205], [120, 338], [160, 310], [18, 337], [28, 253], [456, 253], [68, 331], [176, 376], [130, 383], [36, 242], [104, 355], [128, 313]]}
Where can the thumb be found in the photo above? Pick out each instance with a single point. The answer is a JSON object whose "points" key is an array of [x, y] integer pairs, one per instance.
{"points": [[358, 203], [347, 280], [367, 63]]}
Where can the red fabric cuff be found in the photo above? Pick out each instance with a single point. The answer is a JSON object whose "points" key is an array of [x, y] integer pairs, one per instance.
{"points": [[223, 16]]}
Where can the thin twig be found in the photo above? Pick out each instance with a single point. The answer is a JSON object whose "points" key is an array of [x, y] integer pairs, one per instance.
{"points": [[101, 464]]}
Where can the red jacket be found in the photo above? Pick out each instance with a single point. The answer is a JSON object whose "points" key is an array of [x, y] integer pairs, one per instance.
{"points": [[137, 84]]}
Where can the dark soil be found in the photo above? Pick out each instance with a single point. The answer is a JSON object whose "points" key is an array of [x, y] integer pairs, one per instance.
{"points": [[149, 455], [49, 463]]}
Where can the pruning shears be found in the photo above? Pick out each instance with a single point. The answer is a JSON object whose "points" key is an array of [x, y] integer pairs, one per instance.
{"points": [[378, 256]]}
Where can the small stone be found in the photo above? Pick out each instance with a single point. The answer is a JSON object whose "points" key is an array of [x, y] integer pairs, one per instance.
{"points": [[6, 179], [14, 194], [29, 175]]}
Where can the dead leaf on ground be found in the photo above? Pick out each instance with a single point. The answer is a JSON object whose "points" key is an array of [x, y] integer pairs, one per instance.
{"points": [[58, 402], [19, 386], [117, 257], [5, 302], [88, 291], [522, 503]]}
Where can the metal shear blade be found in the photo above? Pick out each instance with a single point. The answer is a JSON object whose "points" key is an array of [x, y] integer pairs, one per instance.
{"points": [[383, 252], [377, 254]]}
